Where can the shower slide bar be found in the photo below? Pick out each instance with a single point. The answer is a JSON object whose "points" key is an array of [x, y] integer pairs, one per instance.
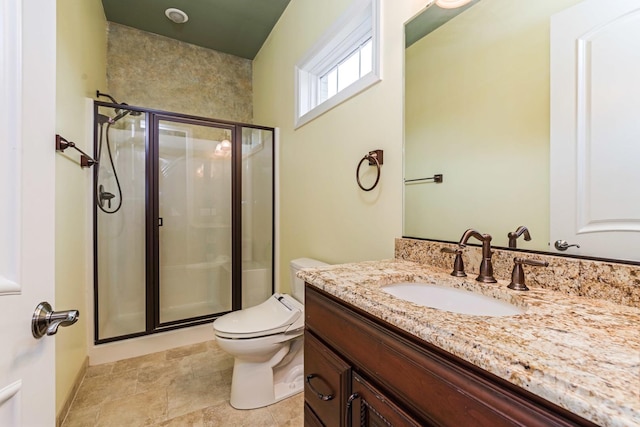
{"points": [[62, 144]]}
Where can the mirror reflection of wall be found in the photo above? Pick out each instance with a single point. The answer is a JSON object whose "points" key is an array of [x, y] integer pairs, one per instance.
{"points": [[477, 111]]}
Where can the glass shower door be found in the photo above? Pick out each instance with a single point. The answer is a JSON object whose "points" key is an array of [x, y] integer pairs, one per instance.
{"points": [[195, 219], [184, 212]]}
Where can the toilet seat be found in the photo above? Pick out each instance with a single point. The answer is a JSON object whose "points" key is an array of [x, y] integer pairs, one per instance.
{"points": [[280, 313]]}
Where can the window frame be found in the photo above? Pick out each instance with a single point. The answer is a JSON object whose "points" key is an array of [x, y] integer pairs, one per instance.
{"points": [[358, 23]]}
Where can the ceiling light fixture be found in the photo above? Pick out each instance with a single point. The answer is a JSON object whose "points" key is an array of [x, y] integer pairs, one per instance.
{"points": [[176, 15], [451, 4], [223, 149]]}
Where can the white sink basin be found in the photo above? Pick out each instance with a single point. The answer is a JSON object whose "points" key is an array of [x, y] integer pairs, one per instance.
{"points": [[451, 299]]}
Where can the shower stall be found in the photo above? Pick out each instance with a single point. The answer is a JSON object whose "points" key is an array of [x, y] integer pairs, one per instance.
{"points": [[183, 219]]}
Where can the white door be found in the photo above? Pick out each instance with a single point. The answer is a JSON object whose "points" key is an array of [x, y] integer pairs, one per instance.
{"points": [[27, 130], [595, 128]]}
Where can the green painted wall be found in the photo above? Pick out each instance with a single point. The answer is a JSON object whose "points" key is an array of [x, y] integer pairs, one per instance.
{"points": [[323, 213], [80, 70]]}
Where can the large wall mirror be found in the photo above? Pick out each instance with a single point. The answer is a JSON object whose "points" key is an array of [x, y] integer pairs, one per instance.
{"points": [[477, 111]]}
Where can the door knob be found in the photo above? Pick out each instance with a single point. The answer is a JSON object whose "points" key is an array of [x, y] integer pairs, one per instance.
{"points": [[563, 245], [46, 321]]}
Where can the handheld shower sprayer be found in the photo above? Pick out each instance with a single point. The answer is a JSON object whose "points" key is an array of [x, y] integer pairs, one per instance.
{"points": [[103, 197]]}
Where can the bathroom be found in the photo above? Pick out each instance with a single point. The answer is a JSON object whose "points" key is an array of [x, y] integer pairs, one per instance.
{"points": [[339, 223]]}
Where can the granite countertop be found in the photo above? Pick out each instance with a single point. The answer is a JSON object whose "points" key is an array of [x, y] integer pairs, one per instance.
{"points": [[582, 354]]}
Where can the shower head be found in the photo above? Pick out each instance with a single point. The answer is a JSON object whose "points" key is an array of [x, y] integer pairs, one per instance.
{"points": [[118, 116], [119, 111], [122, 113]]}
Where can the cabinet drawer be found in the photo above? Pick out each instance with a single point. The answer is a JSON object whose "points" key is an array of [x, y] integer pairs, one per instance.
{"points": [[327, 379]]}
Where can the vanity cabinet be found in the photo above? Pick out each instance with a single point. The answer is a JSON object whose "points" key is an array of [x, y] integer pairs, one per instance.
{"points": [[378, 374], [333, 392]]}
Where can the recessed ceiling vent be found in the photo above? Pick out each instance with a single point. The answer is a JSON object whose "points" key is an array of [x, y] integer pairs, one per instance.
{"points": [[176, 15]]}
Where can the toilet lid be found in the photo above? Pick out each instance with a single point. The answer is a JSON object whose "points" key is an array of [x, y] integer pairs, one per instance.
{"points": [[273, 316]]}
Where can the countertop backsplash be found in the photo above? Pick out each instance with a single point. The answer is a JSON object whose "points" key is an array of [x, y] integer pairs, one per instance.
{"points": [[615, 282]]}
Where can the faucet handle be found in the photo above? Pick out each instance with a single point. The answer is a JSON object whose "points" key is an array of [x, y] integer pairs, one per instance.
{"points": [[458, 264], [448, 250], [513, 235], [517, 275]]}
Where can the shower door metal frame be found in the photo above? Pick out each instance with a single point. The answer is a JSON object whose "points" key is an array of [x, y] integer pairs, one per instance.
{"points": [[153, 222], [152, 268]]}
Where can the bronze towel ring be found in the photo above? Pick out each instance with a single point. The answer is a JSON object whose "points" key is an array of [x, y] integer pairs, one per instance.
{"points": [[374, 158]]}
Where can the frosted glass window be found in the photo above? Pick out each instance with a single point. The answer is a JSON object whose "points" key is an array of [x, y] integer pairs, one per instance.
{"points": [[348, 71], [344, 62], [366, 58], [352, 68]]}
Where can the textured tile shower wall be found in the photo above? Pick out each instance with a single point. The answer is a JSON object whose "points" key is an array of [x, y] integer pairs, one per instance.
{"points": [[157, 72]]}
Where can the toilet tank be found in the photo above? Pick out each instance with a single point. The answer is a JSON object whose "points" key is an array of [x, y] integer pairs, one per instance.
{"points": [[297, 285]]}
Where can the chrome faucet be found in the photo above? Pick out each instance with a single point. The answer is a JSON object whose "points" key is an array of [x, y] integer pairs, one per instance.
{"points": [[513, 235], [486, 268]]}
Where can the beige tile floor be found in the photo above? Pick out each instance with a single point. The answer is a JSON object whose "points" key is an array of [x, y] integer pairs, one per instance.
{"points": [[185, 386]]}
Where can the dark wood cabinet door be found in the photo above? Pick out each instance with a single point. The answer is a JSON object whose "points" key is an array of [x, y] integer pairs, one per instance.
{"points": [[369, 407], [327, 382], [310, 418]]}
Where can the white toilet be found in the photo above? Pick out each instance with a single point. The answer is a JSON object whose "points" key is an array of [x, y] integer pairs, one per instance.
{"points": [[266, 342]]}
